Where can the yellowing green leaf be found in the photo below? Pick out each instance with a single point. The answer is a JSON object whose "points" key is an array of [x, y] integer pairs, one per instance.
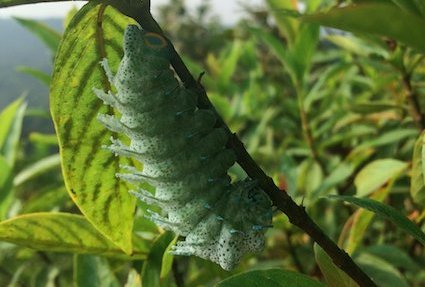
{"points": [[417, 182], [378, 173], [334, 276], [89, 170], [59, 232]]}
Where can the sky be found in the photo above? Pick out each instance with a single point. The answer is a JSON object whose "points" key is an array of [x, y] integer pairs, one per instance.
{"points": [[228, 10]]}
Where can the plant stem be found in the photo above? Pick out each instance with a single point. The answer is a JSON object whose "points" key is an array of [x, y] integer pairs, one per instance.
{"points": [[414, 105], [306, 127], [296, 214]]}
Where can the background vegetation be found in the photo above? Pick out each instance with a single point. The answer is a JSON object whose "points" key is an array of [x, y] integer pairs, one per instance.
{"points": [[323, 111]]}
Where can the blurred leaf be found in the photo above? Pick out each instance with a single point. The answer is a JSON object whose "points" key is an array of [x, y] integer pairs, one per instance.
{"points": [[228, 63], [167, 260], [394, 136], [378, 173], [6, 187], [383, 273], [59, 232], [421, 6], [288, 26], [334, 276], [48, 199], [375, 18], [10, 129], [46, 139], [417, 182], [310, 176], [134, 279], [93, 271], [357, 45], [47, 35], [372, 108], [393, 255], [46, 277], [341, 172], [300, 55], [408, 6], [37, 168], [39, 75], [89, 171], [270, 278], [361, 220], [152, 266], [387, 212]]}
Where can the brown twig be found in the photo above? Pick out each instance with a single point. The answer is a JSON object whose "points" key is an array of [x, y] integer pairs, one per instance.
{"points": [[414, 105], [296, 214]]}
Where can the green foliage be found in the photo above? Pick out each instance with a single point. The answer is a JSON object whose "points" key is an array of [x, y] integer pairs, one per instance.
{"points": [[270, 278], [378, 19], [334, 277], [388, 212], [324, 112]]}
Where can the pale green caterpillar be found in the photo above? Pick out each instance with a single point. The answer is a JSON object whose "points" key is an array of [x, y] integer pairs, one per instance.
{"points": [[183, 155]]}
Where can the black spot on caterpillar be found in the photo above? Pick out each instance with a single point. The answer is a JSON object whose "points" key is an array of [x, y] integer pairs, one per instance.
{"points": [[183, 155]]}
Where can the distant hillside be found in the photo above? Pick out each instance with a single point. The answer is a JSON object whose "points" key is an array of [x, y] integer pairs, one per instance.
{"points": [[20, 47]]}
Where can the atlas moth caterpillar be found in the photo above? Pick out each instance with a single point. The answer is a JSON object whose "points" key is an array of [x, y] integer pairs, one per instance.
{"points": [[183, 155]]}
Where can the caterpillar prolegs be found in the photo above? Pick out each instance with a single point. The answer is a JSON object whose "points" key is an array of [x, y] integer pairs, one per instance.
{"points": [[183, 156]]}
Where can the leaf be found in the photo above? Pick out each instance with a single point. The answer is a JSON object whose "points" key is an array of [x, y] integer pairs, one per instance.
{"points": [[39, 75], [387, 212], [343, 170], [334, 276], [362, 218], [358, 46], [11, 119], [47, 35], [6, 187], [383, 273], [408, 6], [287, 26], [270, 278], [133, 279], [381, 19], [393, 255], [391, 137], [48, 199], [59, 232], [417, 181], [228, 63], [39, 167], [167, 260], [152, 267], [378, 173], [93, 271], [88, 169]]}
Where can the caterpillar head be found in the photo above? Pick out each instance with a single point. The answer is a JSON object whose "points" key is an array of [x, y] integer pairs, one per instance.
{"points": [[140, 44]]}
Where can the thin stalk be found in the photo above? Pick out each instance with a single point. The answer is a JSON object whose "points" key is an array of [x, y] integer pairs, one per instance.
{"points": [[414, 104], [308, 135]]}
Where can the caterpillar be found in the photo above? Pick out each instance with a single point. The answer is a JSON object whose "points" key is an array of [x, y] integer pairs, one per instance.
{"points": [[183, 155]]}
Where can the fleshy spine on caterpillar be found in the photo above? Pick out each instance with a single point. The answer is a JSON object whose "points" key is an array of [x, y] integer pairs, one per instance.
{"points": [[183, 155]]}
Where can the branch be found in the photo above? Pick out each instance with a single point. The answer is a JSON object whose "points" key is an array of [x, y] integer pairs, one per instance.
{"points": [[414, 105], [296, 214]]}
